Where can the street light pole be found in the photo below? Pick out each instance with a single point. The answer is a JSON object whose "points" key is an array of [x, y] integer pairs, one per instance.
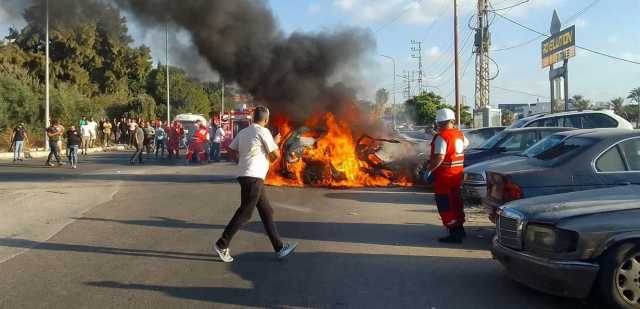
{"points": [[166, 58], [393, 108], [46, 83], [457, 61]]}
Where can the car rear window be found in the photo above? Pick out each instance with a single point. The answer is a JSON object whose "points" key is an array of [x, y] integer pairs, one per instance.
{"points": [[556, 148], [592, 121]]}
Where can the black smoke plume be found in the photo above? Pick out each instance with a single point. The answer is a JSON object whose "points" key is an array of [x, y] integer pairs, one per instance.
{"points": [[241, 40]]}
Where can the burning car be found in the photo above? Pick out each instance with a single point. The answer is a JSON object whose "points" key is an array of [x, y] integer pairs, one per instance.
{"points": [[324, 152]]}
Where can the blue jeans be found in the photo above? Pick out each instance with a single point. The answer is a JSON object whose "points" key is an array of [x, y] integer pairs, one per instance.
{"points": [[73, 154], [54, 152], [214, 155], [17, 150]]}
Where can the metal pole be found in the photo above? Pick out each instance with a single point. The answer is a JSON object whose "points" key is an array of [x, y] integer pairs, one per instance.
{"points": [[166, 58], [222, 101], [46, 87], [566, 84], [393, 108], [457, 61], [551, 87]]}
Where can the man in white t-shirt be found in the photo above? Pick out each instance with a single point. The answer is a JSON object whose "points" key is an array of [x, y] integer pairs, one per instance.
{"points": [[218, 138], [85, 134], [93, 130], [254, 148]]}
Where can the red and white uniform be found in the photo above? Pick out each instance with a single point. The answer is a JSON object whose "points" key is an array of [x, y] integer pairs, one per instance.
{"points": [[449, 175]]}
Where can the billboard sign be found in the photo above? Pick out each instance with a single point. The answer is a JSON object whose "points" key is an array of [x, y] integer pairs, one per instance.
{"points": [[559, 46]]}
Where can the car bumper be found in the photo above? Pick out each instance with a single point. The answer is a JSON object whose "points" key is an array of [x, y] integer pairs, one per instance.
{"points": [[475, 192], [563, 278]]}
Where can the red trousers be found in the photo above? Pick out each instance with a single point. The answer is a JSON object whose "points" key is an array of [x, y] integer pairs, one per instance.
{"points": [[448, 195]]}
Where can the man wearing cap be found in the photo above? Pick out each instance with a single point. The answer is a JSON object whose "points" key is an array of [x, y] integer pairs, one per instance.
{"points": [[447, 168]]}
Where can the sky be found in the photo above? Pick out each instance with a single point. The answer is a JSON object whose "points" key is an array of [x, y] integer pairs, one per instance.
{"points": [[609, 26]]}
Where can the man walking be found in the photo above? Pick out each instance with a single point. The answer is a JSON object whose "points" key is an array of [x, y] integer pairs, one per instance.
{"points": [[138, 143], [17, 140], [161, 136], [93, 130], [54, 132], [218, 138], [447, 167], [85, 133], [73, 143], [254, 148]]}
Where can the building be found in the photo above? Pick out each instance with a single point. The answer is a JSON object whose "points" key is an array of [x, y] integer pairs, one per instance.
{"points": [[526, 109]]}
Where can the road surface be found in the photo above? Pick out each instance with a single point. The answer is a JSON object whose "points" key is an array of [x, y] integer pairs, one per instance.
{"points": [[109, 235]]}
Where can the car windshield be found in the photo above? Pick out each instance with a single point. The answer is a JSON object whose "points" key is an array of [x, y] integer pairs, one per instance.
{"points": [[557, 147], [493, 141]]}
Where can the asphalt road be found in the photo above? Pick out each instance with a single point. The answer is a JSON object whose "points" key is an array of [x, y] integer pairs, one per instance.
{"points": [[109, 235]]}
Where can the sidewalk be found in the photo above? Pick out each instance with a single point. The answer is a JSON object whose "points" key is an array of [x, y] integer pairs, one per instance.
{"points": [[41, 153]]}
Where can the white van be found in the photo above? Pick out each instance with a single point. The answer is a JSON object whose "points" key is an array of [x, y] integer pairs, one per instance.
{"points": [[188, 122]]}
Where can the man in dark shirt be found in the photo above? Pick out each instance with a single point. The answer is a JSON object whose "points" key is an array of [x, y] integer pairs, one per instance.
{"points": [[73, 144], [54, 133], [138, 143], [17, 140]]}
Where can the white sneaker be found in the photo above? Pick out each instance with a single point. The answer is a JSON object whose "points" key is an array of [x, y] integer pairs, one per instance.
{"points": [[286, 250], [223, 254]]}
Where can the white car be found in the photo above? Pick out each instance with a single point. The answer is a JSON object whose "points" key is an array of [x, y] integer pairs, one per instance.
{"points": [[575, 119]]}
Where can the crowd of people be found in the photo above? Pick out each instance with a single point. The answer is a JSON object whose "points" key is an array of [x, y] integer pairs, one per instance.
{"points": [[154, 137]]}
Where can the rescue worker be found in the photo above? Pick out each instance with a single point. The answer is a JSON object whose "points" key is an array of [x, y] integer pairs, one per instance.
{"points": [[447, 168]]}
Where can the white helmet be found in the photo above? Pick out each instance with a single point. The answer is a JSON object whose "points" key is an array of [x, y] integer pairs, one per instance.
{"points": [[445, 114]]}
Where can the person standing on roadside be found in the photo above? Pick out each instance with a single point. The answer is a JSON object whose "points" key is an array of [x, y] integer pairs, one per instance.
{"points": [[83, 120], [93, 130], [217, 139], [138, 143], [254, 148], [73, 144], [124, 131], [85, 133], [17, 141], [161, 137], [54, 133], [132, 130], [447, 167], [106, 132]]}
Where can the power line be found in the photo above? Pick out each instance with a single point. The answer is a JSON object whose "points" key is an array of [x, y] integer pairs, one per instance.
{"points": [[577, 46], [511, 6], [520, 92], [518, 45], [582, 11], [405, 11]]}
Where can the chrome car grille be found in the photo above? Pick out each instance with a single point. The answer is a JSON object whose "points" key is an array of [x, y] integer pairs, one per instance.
{"points": [[510, 225]]}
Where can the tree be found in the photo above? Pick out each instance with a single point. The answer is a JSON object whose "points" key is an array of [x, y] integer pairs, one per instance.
{"points": [[422, 109], [634, 95], [382, 97], [618, 106], [580, 103]]}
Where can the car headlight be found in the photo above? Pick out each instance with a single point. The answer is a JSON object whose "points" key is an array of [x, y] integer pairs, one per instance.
{"points": [[473, 177], [544, 238]]}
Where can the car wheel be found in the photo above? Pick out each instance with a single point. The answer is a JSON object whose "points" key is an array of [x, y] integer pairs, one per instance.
{"points": [[619, 277]]}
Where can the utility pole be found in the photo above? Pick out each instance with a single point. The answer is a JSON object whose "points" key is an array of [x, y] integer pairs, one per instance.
{"points": [[166, 58], [416, 53], [407, 77], [46, 87], [457, 61], [393, 107], [481, 49]]}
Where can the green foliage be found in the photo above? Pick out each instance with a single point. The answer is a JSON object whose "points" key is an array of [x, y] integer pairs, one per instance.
{"points": [[18, 102], [580, 103], [618, 106], [422, 109]]}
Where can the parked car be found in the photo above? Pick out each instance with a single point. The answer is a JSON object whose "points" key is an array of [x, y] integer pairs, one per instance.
{"points": [[568, 161], [574, 243], [575, 119], [479, 136], [506, 143], [474, 186]]}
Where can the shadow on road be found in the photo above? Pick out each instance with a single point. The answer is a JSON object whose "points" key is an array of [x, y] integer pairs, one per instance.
{"points": [[410, 234], [29, 177], [338, 280], [28, 244]]}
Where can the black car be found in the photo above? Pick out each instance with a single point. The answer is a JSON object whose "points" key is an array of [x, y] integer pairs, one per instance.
{"points": [[568, 161], [572, 244], [508, 142]]}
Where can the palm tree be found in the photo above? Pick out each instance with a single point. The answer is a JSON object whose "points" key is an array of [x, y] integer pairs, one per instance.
{"points": [[618, 107], [580, 103], [634, 95]]}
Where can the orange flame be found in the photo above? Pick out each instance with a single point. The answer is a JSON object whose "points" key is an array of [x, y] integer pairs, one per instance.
{"points": [[332, 161]]}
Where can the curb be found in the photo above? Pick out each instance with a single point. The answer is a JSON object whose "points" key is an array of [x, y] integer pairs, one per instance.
{"points": [[43, 154]]}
